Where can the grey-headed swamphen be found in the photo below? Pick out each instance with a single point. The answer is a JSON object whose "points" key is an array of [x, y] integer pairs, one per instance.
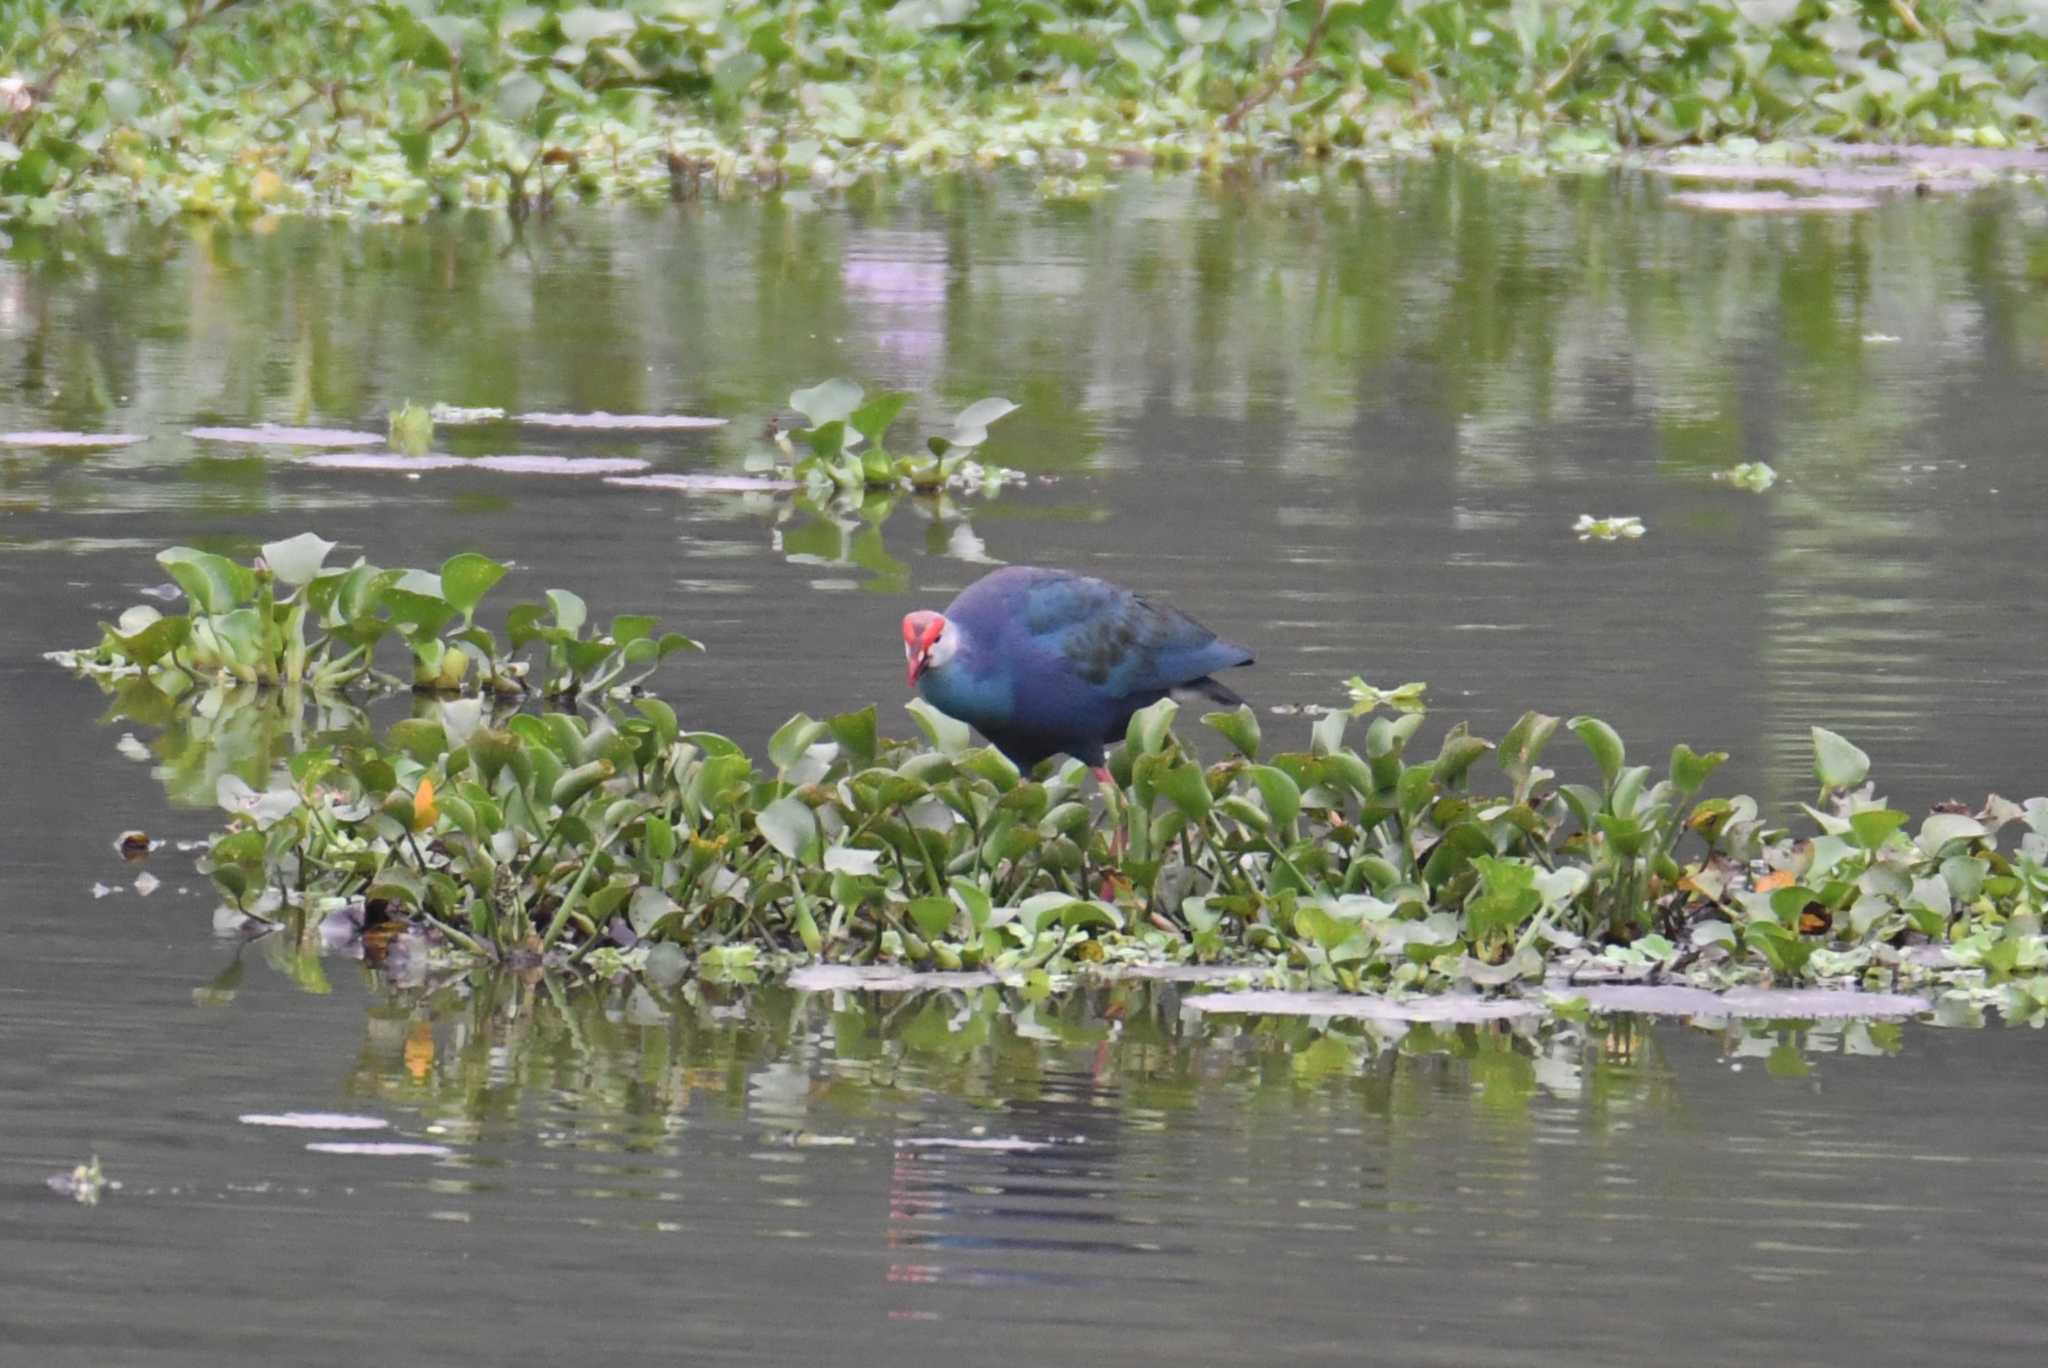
{"points": [[1043, 662]]}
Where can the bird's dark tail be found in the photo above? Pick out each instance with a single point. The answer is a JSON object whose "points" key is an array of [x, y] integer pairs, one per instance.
{"points": [[1204, 690]]}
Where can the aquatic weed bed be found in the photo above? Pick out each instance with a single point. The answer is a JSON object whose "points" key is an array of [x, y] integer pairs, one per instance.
{"points": [[323, 106], [609, 837]]}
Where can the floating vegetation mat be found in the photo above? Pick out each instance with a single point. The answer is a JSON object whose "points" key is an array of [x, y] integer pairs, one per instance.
{"points": [[400, 111], [1380, 877]]}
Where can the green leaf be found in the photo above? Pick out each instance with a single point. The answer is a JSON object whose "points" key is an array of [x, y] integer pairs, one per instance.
{"points": [[1456, 755], [1965, 876], [518, 94], [425, 614], [971, 427], [831, 402], [149, 645], [589, 24], [793, 738], [466, 578], [1187, 789], [1240, 730], [296, 560], [1281, 794], [1505, 898], [1836, 763], [1690, 770], [872, 419], [215, 584], [855, 732], [947, 735], [1148, 728], [1940, 828], [1872, 827], [933, 917], [790, 826], [569, 609], [1603, 741]]}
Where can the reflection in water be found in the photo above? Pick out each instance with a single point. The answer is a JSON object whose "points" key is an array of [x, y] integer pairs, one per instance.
{"points": [[1353, 427], [1359, 421]]}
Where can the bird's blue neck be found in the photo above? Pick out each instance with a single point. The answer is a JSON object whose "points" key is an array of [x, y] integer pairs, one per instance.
{"points": [[965, 688]]}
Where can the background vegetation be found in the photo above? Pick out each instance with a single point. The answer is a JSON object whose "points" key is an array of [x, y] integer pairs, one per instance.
{"points": [[245, 106]]}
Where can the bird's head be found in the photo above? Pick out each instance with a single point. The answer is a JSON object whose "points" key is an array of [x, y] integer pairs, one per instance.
{"points": [[928, 643]]}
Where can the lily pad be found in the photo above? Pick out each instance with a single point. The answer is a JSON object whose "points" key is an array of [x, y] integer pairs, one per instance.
{"points": [[64, 440], [621, 422], [707, 484], [1770, 202], [1415, 1009], [272, 434], [506, 465]]}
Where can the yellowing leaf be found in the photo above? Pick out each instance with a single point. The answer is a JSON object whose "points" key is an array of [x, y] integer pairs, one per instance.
{"points": [[425, 812]]}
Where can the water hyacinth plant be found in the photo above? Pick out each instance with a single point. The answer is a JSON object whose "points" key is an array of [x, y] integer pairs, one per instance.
{"points": [[843, 419], [248, 110], [611, 836], [289, 620]]}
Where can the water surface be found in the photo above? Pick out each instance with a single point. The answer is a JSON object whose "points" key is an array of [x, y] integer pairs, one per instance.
{"points": [[1351, 427]]}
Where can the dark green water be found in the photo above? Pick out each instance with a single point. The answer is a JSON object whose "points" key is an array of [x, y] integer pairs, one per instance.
{"points": [[1352, 429]]}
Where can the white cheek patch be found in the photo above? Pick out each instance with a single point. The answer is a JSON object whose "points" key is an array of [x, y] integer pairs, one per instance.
{"points": [[942, 650]]}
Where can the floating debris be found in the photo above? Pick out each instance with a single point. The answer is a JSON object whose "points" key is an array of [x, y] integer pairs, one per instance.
{"points": [[1754, 476], [314, 1120], [133, 749], [1770, 202], [1591, 528], [75, 440], [1832, 1004], [706, 484], [452, 416], [1813, 1003], [1447, 1008], [147, 883], [1014, 1144], [271, 434], [83, 1184], [379, 1148], [621, 422], [1183, 973], [135, 845], [877, 978], [506, 465]]}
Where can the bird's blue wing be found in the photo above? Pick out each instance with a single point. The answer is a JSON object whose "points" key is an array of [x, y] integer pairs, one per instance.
{"points": [[1119, 641]]}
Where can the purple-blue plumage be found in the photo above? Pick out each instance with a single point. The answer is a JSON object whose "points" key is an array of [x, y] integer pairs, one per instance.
{"points": [[1043, 662]]}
